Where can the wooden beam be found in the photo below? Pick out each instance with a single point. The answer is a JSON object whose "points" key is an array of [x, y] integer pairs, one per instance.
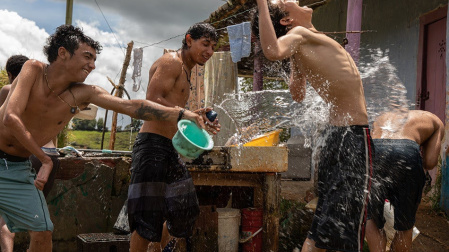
{"points": [[119, 93]]}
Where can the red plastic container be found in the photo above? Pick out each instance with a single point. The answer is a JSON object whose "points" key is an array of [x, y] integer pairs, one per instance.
{"points": [[252, 221]]}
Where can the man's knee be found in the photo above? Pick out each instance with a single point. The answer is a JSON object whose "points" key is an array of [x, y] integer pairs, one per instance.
{"points": [[41, 235]]}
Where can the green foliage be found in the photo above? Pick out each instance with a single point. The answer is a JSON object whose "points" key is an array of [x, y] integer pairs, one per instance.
{"points": [[63, 137], [246, 84], [79, 124], [134, 125], [3, 78], [100, 123], [92, 139]]}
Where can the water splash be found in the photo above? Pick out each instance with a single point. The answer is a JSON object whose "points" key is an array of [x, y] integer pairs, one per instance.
{"points": [[384, 91]]}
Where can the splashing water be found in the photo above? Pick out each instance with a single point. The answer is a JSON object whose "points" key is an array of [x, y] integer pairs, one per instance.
{"points": [[255, 113], [384, 91]]}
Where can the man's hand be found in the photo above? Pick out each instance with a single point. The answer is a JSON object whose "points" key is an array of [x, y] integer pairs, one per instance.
{"points": [[211, 127], [192, 116], [44, 173]]}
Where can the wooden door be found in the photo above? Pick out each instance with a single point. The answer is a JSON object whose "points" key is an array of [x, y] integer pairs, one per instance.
{"points": [[432, 63], [431, 79]]}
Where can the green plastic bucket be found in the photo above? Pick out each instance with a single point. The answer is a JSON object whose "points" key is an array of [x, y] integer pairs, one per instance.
{"points": [[190, 141]]}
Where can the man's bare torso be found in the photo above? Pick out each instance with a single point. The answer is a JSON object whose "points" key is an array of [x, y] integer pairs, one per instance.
{"points": [[333, 74], [42, 109], [176, 94]]}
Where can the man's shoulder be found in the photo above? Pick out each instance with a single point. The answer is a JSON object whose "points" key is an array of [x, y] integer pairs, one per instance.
{"points": [[167, 62]]}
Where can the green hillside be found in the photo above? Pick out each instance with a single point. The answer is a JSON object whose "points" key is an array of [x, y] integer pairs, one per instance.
{"points": [[92, 140]]}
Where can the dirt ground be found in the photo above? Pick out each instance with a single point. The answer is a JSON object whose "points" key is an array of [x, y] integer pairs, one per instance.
{"points": [[433, 226]]}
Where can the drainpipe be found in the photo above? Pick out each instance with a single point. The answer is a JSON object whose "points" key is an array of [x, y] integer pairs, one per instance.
{"points": [[354, 23], [444, 200]]}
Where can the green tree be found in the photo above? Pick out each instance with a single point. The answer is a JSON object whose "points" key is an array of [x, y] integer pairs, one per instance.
{"points": [[79, 124], [100, 123], [135, 125]]}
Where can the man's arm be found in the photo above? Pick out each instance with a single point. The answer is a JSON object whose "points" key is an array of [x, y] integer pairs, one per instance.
{"points": [[20, 92], [140, 109], [432, 147], [274, 48], [4, 93], [297, 83]]}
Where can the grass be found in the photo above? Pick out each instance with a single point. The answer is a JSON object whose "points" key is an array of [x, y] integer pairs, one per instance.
{"points": [[92, 140]]}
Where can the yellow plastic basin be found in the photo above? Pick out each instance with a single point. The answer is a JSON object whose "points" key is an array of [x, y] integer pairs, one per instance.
{"points": [[268, 139]]}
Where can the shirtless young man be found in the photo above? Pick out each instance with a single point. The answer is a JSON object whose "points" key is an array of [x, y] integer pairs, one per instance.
{"points": [[161, 188], [42, 100], [286, 31], [398, 173], [13, 66]]}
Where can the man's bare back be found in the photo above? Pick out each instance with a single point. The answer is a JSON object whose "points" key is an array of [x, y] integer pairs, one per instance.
{"points": [[416, 125], [420, 126]]}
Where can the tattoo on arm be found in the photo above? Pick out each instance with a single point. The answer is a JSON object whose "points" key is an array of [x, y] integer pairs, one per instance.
{"points": [[148, 113]]}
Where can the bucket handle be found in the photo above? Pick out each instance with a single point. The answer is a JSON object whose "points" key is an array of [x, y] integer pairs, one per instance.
{"points": [[250, 237]]}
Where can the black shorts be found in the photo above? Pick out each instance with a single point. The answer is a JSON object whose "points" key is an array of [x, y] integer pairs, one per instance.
{"points": [[161, 189], [398, 177], [344, 180]]}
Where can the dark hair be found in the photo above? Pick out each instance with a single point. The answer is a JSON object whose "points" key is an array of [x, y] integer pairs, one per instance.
{"points": [[200, 30], [276, 14], [69, 37], [14, 64]]}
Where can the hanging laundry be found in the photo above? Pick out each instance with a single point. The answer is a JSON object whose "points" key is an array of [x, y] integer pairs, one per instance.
{"points": [[239, 40], [137, 65]]}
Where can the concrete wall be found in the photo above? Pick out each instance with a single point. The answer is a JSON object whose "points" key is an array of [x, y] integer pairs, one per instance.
{"points": [[396, 26], [86, 197]]}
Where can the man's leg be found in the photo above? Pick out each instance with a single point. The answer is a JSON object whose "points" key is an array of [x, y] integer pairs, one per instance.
{"points": [[159, 246], [6, 237], [309, 246], [402, 241], [40, 241], [138, 243], [376, 238]]}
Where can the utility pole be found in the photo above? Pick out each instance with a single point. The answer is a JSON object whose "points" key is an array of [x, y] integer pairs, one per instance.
{"points": [[119, 93], [68, 12]]}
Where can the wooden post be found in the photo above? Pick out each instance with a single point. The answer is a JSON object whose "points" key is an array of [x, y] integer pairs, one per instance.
{"points": [[354, 23], [258, 64], [68, 12], [272, 194], [119, 93]]}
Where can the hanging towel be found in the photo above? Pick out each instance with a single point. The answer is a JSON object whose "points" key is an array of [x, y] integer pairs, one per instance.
{"points": [[246, 43], [239, 40]]}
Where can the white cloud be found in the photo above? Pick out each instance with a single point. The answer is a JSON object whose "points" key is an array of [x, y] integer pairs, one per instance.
{"points": [[20, 36]]}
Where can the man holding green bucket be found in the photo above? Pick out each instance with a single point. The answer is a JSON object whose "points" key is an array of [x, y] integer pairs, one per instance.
{"points": [[161, 189]]}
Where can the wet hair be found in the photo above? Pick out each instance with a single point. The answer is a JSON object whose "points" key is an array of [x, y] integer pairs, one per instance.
{"points": [[69, 37], [14, 64], [276, 14], [200, 30]]}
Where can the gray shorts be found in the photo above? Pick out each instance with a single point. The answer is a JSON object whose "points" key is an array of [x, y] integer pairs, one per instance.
{"points": [[22, 205]]}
